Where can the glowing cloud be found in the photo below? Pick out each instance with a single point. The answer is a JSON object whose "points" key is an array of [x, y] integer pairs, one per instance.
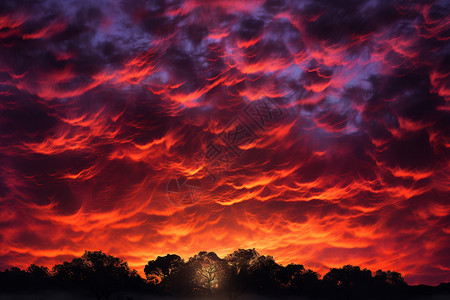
{"points": [[314, 131]]}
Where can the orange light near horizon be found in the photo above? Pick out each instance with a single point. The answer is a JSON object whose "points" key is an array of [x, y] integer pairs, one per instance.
{"points": [[142, 130]]}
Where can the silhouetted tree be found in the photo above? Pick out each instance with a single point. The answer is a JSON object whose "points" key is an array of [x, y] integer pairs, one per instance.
{"points": [[241, 259], [262, 275], [70, 272], [288, 275], [244, 270], [158, 270], [13, 279], [348, 281], [38, 272], [295, 279], [102, 274], [39, 276], [307, 283], [239, 262], [389, 278], [165, 271], [208, 272]]}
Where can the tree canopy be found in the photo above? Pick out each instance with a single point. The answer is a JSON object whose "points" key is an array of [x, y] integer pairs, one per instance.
{"points": [[205, 273]]}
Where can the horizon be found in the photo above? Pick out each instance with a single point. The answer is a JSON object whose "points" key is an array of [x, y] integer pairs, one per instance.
{"points": [[315, 131], [241, 274], [142, 274], [140, 268]]}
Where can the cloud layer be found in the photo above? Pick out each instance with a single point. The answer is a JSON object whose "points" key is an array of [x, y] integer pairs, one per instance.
{"points": [[314, 131]]}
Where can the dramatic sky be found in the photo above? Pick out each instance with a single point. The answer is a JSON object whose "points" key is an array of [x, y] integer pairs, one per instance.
{"points": [[314, 131]]}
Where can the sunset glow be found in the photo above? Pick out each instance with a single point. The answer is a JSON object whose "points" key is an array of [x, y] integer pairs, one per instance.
{"points": [[314, 131]]}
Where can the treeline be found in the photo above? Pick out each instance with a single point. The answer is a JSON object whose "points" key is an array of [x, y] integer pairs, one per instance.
{"points": [[244, 271]]}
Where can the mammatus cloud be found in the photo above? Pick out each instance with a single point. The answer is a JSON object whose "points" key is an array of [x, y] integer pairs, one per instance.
{"points": [[104, 105]]}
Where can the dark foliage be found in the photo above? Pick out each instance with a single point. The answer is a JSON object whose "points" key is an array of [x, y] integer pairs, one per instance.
{"points": [[205, 274]]}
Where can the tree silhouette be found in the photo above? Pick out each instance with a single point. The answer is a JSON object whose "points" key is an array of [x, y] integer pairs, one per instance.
{"points": [[239, 262], [38, 272], [389, 278], [242, 258], [307, 283], [160, 269], [262, 275], [208, 271], [12, 279], [206, 274], [102, 274], [289, 275], [167, 273], [348, 281]]}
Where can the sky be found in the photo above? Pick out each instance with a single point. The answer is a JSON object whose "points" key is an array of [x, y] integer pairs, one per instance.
{"points": [[314, 131]]}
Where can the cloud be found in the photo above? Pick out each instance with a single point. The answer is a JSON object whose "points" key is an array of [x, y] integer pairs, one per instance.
{"points": [[316, 132]]}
